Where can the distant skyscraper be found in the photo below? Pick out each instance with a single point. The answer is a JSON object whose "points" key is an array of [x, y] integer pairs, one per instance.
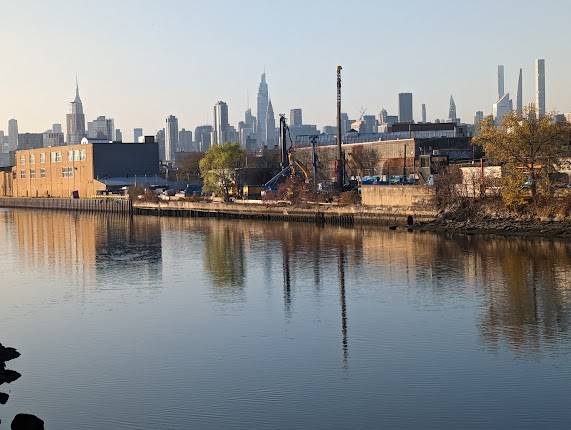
{"points": [[221, 125], [501, 108], [263, 101], [75, 120], [102, 128], [3, 143], [405, 107], [185, 142], [295, 117], [202, 136], [12, 135], [271, 140], [519, 99], [423, 107], [250, 120], [137, 132], [452, 110], [30, 140], [501, 90], [540, 86], [171, 138], [369, 124], [383, 116], [160, 139], [118, 135], [345, 123], [52, 138], [478, 118], [56, 128], [247, 130]]}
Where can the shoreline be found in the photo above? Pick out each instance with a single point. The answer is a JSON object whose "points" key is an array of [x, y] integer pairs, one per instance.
{"points": [[394, 218], [500, 227]]}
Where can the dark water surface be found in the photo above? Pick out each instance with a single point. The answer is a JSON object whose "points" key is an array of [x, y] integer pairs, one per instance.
{"points": [[151, 323]]}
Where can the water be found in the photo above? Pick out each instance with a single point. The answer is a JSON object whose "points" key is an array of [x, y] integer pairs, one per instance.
{"points": [[206, 324]]}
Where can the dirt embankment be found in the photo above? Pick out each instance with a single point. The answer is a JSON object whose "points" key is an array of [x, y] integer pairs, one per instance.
{"points": [[493, 219]]}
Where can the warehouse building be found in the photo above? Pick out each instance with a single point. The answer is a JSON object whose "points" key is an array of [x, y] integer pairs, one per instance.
{"points": [[84, 170]]}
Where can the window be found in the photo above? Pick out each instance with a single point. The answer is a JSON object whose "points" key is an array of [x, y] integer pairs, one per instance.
{"points": [[69, 155], [56, 157], [82, 155], [42, 157], [67, 172], [23, 160], [42, 172], [76, 155], [32, 173], [22, 173], [32, 159]]}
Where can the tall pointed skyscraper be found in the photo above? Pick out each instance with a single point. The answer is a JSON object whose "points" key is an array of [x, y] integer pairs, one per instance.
{"points": [[75, 120], [270, 126], [452, 110], [519, 99], [263, 101], [540, 86]]}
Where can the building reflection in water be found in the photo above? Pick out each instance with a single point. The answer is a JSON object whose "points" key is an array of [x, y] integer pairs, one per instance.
{"points": [[527, 295], [523, 286], [521, 289], [91, 247]]}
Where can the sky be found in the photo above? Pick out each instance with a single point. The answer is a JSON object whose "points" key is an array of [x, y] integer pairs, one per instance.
{"points": [[140, 61]]}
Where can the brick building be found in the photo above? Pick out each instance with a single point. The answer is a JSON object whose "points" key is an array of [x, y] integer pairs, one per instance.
{"points": [[84, 170]]}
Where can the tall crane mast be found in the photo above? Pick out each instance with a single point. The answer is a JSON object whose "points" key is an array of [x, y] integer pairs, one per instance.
{"points": [[340, 161]]}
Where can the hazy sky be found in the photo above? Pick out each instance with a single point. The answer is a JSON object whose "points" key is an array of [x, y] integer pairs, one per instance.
{"points": [[138, 61]]}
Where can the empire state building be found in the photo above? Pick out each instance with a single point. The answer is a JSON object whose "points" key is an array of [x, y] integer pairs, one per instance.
{"points": [[75, 120]]}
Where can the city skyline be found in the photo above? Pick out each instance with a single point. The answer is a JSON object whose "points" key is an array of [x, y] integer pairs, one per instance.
{"points": [[190, 89]]}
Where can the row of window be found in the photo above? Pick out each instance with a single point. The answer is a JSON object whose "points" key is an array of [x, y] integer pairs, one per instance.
{"points": [[56, 157], [66, 172]]}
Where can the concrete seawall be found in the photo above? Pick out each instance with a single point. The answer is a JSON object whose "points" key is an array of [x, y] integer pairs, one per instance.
{"points": [[122, 206], [316, 213], [322, 214]]}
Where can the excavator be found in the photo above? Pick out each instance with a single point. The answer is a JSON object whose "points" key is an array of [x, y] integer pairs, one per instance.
{"points": [[289, 164]]}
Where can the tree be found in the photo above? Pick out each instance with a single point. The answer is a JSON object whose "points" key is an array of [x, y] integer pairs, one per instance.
{"points": [[189, 165], [529, 148], [218, 168]]}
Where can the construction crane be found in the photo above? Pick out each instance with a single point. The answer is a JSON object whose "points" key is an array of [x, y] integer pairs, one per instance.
{"points": [[289, 165]]}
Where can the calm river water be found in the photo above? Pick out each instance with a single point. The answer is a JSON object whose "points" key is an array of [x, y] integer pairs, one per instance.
{"points": [[151, 323]]}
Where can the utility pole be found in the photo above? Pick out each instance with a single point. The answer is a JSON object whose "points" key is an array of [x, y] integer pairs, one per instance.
{"points": [[283, 142], [314, 160], [340, 163]]}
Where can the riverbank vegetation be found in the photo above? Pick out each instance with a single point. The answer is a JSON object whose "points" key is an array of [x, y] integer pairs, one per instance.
{"points": [[528, 151]]}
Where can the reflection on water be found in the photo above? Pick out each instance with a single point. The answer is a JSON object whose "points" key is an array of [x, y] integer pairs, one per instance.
{"points": [[527, 294], [383, 317], [526, 284], [87, 246]]}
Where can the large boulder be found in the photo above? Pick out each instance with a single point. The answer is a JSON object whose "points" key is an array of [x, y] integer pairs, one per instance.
{"points": [[7, 354], [8, 376], [27, 422]]}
